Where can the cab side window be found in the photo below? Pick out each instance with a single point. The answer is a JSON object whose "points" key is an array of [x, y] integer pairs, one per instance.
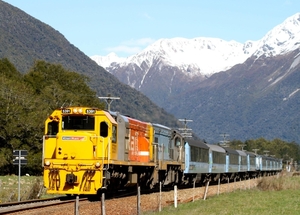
{"points": [[177, 141], [114, 134], [103, 129], [52, 128]]}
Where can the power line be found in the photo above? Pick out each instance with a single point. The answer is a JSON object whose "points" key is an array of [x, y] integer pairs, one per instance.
{"points": [[224, 142], [242, 145], [109, 100], [185, 130]]}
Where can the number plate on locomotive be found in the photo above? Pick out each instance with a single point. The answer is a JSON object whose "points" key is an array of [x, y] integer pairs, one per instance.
{"points": [[66, 110], [90, 111]]}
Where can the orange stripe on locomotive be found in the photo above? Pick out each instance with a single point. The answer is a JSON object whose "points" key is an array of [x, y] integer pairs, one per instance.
{"points": [[140, 139]]}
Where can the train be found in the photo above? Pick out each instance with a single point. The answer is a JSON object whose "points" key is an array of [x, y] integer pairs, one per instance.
{"points": [[88, 151]]}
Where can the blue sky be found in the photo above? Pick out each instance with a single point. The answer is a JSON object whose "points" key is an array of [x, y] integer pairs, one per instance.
{"points": [[98, 27]]}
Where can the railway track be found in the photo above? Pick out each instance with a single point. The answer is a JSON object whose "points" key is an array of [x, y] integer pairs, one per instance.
{"points": [[123, 204], [13, 207]]}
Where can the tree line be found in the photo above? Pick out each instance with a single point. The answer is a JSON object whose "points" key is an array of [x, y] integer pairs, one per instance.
{"points": [[287, 151], [28, 99]]}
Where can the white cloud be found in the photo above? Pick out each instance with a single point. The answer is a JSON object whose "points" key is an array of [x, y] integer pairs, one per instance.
{"points": [[139, 42], [147, 16], [131, 46], [124, 49]]}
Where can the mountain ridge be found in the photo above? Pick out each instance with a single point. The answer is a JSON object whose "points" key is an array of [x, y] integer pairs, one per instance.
{"points": [[279, 40], [228, 99], [24, 39], [256, 98]]}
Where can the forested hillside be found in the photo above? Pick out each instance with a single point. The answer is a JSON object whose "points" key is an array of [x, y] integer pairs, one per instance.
{"points": [[40, 71], [27, 100], [24, 40]]}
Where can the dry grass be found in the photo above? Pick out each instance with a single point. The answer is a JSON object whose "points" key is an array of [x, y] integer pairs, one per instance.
{"points": [[31, 187], [283, 181]]}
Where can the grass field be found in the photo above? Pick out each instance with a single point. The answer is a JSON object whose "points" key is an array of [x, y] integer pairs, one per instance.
{"points": [[238, 203], [276, 195], [30, 187], [272, 196]]}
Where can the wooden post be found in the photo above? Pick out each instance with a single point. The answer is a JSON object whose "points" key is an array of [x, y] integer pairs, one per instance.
{"points": [[139, 201], [218, 186], [76, 211], [103, 204], [175, 196], [234, 184], [194, 184], [159, 196], [206, 189]]}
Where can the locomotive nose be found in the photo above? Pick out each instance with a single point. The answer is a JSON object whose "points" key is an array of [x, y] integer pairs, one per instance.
{"points": [[71, 178]]}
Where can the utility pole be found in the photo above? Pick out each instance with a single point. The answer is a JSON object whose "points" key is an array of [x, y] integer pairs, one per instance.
{"points": [[185, 129], [109, 100], [224, 142], [242, 145], [20, 159]]}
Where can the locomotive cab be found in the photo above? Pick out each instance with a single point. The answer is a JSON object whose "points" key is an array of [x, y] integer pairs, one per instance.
{"points": [[78, 145]]}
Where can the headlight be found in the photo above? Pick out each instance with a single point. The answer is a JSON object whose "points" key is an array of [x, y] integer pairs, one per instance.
{"points": [[47, 163], [97, 164], [78, 110]]}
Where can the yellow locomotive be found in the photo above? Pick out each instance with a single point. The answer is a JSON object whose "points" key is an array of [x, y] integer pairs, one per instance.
{"points": [[88, 149]]}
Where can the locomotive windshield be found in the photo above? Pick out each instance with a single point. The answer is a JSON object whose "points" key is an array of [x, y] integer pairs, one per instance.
{"points": [[78, 123]]}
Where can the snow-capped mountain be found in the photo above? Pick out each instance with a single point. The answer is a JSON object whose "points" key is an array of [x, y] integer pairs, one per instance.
{"points": [[106, 61], [169, 67], [256, 98], [192, 56], [198, 56], [282, 39]]}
